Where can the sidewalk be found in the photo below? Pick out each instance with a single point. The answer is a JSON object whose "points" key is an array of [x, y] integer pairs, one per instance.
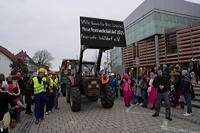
{"points": [[178, 113]]}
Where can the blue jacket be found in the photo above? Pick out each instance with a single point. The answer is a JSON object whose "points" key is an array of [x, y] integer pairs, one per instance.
{"points": [[113, 82]]}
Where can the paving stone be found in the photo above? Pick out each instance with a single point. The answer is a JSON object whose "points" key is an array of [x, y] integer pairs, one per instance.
{"points": [[93, 118]]}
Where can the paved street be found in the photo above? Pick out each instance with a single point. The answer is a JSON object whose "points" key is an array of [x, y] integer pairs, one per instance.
{"points": [[95, 119]]}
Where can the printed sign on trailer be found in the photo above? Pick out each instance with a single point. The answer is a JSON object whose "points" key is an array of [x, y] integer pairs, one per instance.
{"points": [[101, 33]]}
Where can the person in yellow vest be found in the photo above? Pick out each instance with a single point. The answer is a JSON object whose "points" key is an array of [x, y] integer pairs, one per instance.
{"points": [[69, 67], [39, 85], [49, 96], [56, 87]]}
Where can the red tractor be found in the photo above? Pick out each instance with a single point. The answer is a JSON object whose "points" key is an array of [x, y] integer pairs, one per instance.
{"points": [[86, 83], [98, 34]]}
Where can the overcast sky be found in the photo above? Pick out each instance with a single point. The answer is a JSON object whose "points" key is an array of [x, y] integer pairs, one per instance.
{"points": [[33, 25]]}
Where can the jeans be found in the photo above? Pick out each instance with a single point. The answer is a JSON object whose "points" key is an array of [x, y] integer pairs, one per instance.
{"points": [[159, 98], [55, 95], [116, 90], [134, 99], [144, 97], [50, 103], [187, 97]]}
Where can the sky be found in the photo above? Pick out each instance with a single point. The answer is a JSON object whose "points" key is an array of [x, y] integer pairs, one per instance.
{"points": [[33, 25]]}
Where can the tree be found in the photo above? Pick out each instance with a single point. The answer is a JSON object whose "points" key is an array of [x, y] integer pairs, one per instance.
{"points": [[19, 65], [43, 58]]}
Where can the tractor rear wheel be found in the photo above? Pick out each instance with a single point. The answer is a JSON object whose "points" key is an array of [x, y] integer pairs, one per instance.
{"points": [[75, 99], [108, 97]]}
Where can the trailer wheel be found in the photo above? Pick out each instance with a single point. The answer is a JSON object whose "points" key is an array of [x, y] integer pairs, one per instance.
{"points": [[108, 97], [75, 99]]}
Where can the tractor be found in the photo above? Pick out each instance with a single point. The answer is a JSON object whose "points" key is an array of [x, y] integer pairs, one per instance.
{"points": [[86, 83], [85, 80]]}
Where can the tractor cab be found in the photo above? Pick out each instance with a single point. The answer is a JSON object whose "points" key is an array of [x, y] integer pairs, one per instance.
{"points": [[90, 83]]}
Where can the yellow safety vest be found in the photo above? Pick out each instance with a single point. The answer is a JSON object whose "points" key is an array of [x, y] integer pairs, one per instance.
{"points": [[55, 81], [69, 67], [39, 88]]}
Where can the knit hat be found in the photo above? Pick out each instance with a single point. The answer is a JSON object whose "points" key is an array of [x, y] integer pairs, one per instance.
{"points": [[125, 75]]}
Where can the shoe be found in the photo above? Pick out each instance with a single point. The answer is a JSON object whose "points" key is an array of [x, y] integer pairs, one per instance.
{"points": [[168, 118], [46, 113], [155, 115], [57, 108], [50, 111], [144, 106], [28, 113], [152, 108], [36, 122], [187, 114], [141, 104]]}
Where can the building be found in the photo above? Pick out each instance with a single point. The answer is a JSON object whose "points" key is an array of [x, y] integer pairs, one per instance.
{"points": [[6, 58], [117, 60], [32, 67], [154, 35]]}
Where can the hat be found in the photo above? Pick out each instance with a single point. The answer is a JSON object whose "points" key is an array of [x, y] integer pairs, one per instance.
{"points": [[53, 73], [42, 70], [125, 75], [112, 74], [18, 75]]}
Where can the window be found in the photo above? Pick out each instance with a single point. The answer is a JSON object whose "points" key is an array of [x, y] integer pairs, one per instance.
{"points": [[171, 43]]}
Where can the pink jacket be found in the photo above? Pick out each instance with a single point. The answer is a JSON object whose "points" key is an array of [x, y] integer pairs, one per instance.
{"points": [[127, 85]]}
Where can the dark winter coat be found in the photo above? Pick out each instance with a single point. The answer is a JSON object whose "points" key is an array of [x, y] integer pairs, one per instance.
{"points": [[185, 84], [177, 82], [161, 81], [28, 93]]}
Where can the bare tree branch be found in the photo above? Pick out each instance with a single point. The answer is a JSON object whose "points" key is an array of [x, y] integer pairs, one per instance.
{"points": [[43, 58]]}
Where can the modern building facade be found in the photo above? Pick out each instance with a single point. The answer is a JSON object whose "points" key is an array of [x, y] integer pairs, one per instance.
{"points": [[117, 60], [151, 37]]}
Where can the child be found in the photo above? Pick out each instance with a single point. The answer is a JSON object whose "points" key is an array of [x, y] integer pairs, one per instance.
{"points": [[137, 91]]}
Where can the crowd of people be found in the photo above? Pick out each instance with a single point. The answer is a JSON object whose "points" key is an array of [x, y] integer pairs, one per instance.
{"points": [[166, 85], [18, 93], [151, 87]]}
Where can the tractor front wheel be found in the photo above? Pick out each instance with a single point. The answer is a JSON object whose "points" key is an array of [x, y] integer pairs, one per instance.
{"points": [[108, 97], [75, 99]]}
